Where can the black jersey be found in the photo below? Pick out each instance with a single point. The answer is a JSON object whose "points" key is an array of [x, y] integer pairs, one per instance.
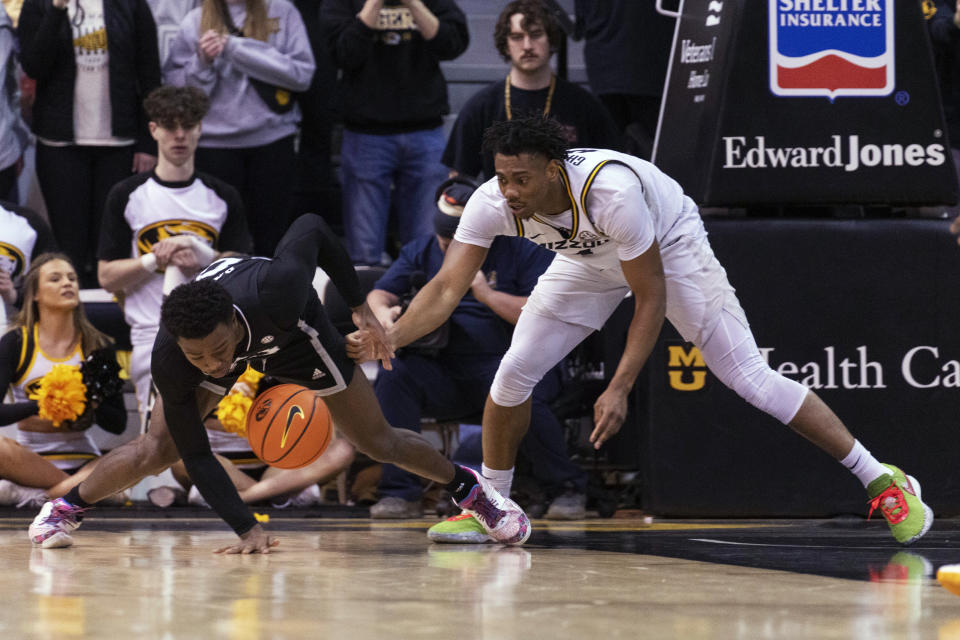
{"points": [[287, 335]]}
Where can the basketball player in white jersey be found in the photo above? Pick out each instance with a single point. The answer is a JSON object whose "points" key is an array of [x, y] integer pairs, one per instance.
{"points": [[619, 225]]}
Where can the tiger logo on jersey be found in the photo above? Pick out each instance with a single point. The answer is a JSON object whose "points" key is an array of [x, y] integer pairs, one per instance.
{"points": [[12, 259], [33, 386], [154, 233]]}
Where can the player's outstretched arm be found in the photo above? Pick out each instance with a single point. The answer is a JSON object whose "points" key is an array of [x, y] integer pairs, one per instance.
{"points": [[436, 301], [374, 335], [644, 274]]}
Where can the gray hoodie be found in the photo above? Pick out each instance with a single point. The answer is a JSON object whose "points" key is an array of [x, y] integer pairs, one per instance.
{"points": [[238, 117], [14, 134]]}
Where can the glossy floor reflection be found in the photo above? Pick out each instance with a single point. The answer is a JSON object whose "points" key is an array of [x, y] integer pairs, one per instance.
{"points": [[359, 579]]}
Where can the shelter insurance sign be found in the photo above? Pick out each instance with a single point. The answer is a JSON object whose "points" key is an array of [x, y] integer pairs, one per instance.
{"points": [[836, 101], [831, 47]]}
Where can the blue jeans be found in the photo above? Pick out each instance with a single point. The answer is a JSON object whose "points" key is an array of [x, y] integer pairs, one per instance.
{"points": [[454, 387], [371, 165]]}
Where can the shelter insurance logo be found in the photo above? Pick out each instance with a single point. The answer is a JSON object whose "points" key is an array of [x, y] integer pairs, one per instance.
{"points": [[831, 47]]}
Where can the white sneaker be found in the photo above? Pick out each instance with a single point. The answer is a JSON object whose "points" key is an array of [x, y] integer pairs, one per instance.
{"points": [[52, 526], [568, 506], [309, 497], [9, 493], [31, 498], [194, 498], [501, 518]]}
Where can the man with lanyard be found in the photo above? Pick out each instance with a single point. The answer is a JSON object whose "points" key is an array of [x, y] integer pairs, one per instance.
{"points": [[526, 35]]}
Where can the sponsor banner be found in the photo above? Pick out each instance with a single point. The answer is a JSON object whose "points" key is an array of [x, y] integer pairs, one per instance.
{"points": [[835, 102], [863, 313]]}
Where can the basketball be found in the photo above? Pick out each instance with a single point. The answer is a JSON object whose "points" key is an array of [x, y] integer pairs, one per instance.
{"points": [[288, 426]]}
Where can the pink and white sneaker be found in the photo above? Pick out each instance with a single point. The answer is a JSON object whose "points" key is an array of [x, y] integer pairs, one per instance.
{"points": [[52, 526], [501, 518]]}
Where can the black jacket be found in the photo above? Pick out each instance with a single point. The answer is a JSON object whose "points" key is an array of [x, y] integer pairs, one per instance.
{"points": [[391, 80], [47, 55]]}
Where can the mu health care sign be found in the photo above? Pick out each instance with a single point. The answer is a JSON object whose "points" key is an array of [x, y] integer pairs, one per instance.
{"points": [[805, 102]]}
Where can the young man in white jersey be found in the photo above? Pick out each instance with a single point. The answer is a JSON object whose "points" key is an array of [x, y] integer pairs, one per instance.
{"points": [[165, 223], [619, 226]]}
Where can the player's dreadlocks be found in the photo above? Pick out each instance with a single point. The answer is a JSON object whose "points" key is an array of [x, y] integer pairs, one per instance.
{"points": [[535, 135], [194, 309]]}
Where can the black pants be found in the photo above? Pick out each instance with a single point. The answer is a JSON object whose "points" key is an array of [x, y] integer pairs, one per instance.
{"points": [[637, 117], [8, 178], [75, 181], [266, 178]]}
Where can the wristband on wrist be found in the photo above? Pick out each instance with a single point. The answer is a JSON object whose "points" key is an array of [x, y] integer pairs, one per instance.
{"points": [[149, 262]]}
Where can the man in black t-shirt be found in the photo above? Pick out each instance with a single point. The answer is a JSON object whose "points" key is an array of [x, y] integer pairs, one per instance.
{"points": [[266, 313], [526, 35]]}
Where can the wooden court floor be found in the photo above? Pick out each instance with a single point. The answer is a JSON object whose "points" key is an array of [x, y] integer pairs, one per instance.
{"points": [[360, 579]]}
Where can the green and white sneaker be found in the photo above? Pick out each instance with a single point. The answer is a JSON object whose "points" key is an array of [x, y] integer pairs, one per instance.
{"points": [[897, 495], [461, 529]]}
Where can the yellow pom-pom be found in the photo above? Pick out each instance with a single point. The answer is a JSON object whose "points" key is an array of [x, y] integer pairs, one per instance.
{"points": [[232, 413], [233, 407], [62, 394], [251, 377]]}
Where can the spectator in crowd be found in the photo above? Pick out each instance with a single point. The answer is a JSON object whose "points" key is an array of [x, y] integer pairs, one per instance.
{"points": [[165, 223], [315, 179], [93, 63], [14, 134], [169, 15], [51, 330], [526, 35], [451, 379], [250, 58], [627, 49], [24, 235], [392, 96]]}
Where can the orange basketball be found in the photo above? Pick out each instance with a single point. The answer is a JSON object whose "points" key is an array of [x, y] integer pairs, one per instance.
{"points": [[288, 426]]}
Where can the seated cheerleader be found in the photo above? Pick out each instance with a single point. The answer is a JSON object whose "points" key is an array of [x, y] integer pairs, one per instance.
{"points": [[59, 374], [255, 480]]}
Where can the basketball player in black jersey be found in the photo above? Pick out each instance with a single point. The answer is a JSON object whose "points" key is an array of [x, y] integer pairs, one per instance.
{"points": [[265, 312]]}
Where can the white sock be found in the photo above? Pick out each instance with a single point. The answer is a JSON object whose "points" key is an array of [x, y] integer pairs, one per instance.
{"points": [[863, 465], [501, 480]]}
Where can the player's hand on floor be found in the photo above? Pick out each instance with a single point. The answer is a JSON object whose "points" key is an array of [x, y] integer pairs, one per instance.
{"points": [[609, 412], [254, 541]]}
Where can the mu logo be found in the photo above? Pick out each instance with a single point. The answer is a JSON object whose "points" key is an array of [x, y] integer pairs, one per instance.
{"points": [[686, 370]]}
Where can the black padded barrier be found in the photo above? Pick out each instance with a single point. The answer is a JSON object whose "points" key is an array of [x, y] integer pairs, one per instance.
{"points": [[866, 311]]}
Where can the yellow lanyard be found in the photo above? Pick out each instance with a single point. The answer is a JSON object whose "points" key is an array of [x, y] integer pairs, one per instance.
{"points": [[546, 107]]}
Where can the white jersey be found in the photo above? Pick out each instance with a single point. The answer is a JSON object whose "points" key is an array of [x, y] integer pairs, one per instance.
{"points": [[619, 205], [40, 365], [17, 240], [142, 210]]}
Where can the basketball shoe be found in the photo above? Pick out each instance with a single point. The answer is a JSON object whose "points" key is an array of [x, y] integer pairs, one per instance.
{"points": [[898, 497], [501, 518], [52, 526], [459, 529]]}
